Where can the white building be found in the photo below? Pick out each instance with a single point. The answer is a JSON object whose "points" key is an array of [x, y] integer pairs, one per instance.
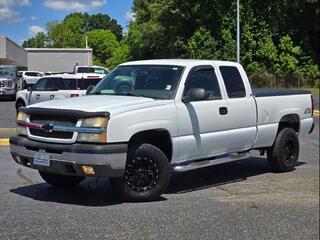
{"points": [[43, 59]]}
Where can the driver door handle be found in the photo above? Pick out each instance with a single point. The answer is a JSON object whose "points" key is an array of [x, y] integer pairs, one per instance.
{"points": [[223, 110], [37, 96]]}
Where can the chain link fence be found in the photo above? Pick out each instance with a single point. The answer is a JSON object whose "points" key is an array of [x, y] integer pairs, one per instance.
{"points": [[282, 81]]}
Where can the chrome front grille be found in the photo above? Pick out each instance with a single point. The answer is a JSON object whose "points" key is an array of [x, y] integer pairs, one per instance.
{"points": [[53, 120]]}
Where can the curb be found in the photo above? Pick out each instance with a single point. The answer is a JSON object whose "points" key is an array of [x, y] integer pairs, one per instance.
{"points": [[7, 132], [4, 142]]}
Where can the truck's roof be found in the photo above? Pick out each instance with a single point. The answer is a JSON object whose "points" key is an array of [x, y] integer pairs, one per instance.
{"points": [[76, 75], [179, 62]]}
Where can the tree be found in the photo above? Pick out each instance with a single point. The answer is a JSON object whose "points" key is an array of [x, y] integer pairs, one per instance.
{"points": [[104, 43], [119, 55], [202, 45], [103, 21], [68, 33], [41, 40]]}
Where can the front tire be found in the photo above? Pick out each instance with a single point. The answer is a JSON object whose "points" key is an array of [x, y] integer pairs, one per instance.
{"points": [[147, 174], [60, 181], [19, 105], [284, 153]]}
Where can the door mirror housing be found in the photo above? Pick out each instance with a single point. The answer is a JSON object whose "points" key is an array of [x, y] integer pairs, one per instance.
{"points": [[195, 94], [89, 89], [29, 89]]}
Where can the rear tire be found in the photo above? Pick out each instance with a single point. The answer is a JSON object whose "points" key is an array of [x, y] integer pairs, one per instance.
{"points": [[60, 181], [284, 153], [147, 174]]}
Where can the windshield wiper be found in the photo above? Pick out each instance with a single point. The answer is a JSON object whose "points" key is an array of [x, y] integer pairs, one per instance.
{"points": [[124, 94], [129, 94]]}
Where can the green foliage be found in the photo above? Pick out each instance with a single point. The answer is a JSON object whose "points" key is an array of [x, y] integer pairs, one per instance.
{"points": [[120, 55], [41, 40], [104, 43], [202, 45], [277, 37]]}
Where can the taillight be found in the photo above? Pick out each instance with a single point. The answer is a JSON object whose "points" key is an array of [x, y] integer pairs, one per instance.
{"points": [[74, 95], [312, 104]]}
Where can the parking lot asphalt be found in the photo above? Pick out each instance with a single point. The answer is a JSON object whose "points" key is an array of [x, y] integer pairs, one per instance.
{"points": [[242, 200]]}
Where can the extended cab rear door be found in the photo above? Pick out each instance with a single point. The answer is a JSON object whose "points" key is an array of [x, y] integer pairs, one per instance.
{"points": [[241, 106]]}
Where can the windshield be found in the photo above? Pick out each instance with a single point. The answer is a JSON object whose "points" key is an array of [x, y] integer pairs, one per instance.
{"points": [[152, 81], [7, 71]]}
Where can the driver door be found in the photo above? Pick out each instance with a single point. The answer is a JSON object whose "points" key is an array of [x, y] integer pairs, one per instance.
{"points": [[202, 124]]}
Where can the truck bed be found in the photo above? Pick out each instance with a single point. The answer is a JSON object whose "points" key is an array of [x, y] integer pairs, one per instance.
{"points": [[269, 92]]}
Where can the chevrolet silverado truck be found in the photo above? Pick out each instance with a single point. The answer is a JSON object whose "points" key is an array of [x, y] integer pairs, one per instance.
{"points": [[177, 116]]}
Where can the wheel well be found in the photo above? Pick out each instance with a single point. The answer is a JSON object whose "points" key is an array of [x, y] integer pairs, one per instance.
{"points": [[290, 120], [158, 137], [20, 101]]}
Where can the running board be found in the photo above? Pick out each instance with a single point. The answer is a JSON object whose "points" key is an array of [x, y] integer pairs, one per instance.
{"points": [[211, 162]]}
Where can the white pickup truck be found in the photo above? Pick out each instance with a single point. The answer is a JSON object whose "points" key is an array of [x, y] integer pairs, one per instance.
{"points": [[178, 115]]}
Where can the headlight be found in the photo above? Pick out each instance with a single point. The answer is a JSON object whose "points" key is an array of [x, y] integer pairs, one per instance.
{"points": [[94, 122], [98, 122], [92, 137], [10, 84], [21, 118]]}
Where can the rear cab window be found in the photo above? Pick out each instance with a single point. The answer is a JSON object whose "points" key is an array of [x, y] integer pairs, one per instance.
{"points": [[233, 81], [33, 74], [85, 70]]}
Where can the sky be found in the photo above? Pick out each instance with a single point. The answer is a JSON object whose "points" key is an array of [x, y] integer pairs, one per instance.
{"points": [[22, 19]]}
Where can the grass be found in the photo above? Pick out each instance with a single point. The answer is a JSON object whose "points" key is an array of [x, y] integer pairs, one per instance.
{"points": [[314, 91]]}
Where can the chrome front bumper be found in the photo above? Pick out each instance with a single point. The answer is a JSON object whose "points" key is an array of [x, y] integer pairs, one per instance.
{"points": [[107, 160], [7, 92]]}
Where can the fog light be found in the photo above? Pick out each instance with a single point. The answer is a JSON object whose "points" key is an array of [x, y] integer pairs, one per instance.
{"points": [[88, 170], [17, 158]]}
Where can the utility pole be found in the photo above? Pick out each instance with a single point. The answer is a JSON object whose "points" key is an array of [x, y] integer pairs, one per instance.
{"points": [[238, 31], [87, 47]]}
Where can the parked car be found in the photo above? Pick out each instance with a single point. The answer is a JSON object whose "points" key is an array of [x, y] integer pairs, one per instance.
{"points": [[179, 115], [29, 78], [8, 81], [56, 87], [91, 69]]}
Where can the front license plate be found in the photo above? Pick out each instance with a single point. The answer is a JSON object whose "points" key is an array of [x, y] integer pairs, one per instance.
{"points": [[41, 158]]}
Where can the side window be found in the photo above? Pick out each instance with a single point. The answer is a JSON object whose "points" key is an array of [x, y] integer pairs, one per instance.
{"points": [[233, 82], [40, 85], [204, 78], [68, 84], [100, 71], [53, 84]]}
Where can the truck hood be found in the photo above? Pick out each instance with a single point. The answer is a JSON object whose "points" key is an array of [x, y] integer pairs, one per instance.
{"points": [[112, 104]]}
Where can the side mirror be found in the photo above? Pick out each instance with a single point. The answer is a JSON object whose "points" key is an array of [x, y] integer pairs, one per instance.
{"points": [[29, 89], [89, 89], [195, 94]]}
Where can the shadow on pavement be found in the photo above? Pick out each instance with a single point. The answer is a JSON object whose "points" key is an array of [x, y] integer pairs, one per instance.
{"points": [[93, 192], [218, 175], [6, 99], [98, 191]]}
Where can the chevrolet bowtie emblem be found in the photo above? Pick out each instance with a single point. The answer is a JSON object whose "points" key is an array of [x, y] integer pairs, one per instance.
{"points": [[47, 127]]}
